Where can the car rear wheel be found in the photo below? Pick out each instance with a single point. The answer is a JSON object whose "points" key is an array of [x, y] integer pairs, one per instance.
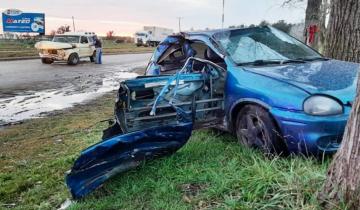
{"points": [[73, 59], [46, 60], [255, 128]]}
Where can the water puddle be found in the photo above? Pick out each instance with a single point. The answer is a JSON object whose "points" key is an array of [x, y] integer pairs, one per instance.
{"points": [[34, 104]]}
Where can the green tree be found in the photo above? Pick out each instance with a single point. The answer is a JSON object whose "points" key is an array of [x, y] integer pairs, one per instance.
{"points": [[283, 26]]}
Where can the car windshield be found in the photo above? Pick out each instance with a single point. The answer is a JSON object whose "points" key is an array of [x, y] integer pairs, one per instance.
{"points": [[251, 45], [66, 39]]}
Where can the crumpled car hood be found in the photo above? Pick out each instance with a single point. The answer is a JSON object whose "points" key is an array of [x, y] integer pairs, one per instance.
{"points": [[332, 77], [46, 45]]}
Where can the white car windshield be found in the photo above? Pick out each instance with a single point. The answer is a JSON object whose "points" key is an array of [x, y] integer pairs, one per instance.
{"points": [[265, 43], [66, 39], [140, 34]]}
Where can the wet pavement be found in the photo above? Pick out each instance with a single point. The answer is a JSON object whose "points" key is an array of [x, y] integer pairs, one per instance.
{"points": [[30, 89]]}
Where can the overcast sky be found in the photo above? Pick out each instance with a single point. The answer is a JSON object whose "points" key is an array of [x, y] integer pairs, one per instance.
{"points": [[127, 16]]}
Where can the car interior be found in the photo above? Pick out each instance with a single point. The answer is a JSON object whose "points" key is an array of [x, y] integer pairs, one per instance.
{"points": [[197, 89], [175, 57], [84, 40]]}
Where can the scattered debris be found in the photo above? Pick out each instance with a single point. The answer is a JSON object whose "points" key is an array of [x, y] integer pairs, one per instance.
{"points": [[191, 190], [66, 204], [9, 205]]}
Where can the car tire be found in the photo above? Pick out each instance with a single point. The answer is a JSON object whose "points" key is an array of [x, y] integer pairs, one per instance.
{"points": [[46, 61], [255, 128], [92, 58], [73, 59]]}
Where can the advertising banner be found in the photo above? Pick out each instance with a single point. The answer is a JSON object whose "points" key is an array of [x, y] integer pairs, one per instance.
{"points": [[16, 21]]}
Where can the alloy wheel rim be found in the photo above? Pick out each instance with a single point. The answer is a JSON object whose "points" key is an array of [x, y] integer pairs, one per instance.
{"points": [[253, 133]]}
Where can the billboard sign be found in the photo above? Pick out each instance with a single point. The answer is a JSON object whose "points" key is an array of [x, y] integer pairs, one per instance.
{"points": [[15, 20]]}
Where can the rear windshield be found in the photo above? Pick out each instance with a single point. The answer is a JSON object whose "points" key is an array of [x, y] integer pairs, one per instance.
{"points": [[66, 39]]}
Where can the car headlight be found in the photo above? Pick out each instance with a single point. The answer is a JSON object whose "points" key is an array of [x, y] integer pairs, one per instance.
{"points": [[61, 53], [322, 106]]}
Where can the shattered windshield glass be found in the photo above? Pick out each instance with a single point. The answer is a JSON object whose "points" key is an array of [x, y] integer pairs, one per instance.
{"points": [[266, 43], [66, 39]]}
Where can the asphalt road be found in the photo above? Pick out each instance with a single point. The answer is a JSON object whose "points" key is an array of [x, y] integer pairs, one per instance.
{"points": [[32, 74], [29, 88]]}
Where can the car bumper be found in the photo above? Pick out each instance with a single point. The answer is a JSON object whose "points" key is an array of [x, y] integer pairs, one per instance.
{"points": [[53, 57], [308, 134]]}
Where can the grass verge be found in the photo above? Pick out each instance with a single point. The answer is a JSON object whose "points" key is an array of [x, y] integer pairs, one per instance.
{"points": [[211, 171]]}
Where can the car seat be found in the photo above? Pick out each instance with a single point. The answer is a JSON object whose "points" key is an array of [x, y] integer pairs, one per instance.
{"points": [[210, 55]]}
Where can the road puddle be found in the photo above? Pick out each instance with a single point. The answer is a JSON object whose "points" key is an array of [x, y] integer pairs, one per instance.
{"points": [[32, 104]]}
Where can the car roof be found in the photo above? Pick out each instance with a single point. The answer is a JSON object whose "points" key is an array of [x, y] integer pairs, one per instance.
{"points": [[79, 33]]}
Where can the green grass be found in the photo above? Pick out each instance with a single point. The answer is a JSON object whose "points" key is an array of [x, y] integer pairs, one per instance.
{"points": [[211, 171], [23, 48]]}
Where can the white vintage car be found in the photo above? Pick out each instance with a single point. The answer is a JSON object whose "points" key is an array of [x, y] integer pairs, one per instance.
{"points": [[69, 47]]}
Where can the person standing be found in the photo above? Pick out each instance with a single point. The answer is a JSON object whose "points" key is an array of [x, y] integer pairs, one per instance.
{"points": [[98, 47]]}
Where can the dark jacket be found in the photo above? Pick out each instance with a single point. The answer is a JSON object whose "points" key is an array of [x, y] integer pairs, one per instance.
{"points": [[98, 43]]}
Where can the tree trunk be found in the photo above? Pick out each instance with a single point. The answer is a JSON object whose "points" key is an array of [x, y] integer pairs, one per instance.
{"points": [[316, 12], [321, 39], [343, 34], [343, 178], [343, 43], [313, 17]]}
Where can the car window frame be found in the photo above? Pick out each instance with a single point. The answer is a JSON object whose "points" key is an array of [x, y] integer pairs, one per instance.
{"points": [[85, 38]]}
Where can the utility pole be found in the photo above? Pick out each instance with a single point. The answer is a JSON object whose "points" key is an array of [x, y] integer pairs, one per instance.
{"points": [[73, 23], [179, 18], [223, 15]]}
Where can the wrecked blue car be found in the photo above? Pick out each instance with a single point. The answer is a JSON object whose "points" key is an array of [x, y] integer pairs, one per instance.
{"points": [[270, 90]]}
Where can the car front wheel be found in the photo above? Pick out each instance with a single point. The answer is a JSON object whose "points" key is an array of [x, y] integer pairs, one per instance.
{"points": [[255, 128], [73, 59]]}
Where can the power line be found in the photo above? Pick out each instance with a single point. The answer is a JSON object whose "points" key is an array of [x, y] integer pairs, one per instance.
{"points": [[73, 23], [223, 14], [179, 18]]}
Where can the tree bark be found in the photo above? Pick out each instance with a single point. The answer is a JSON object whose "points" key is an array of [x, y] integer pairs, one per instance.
{"points": [[321, 39], [316, 12], [313, 17], [343, 34], [343, 177], [343, 43]]}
